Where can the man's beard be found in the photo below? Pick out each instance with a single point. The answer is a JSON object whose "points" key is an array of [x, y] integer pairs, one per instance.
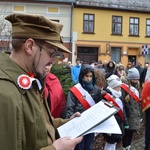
{"points": [[38, 75]]}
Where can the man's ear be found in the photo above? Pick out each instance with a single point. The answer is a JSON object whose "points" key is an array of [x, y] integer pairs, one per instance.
{"points": [[29, 45]]}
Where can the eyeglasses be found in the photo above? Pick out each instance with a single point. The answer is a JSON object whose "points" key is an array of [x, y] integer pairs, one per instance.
{"points": [[53, 53]]}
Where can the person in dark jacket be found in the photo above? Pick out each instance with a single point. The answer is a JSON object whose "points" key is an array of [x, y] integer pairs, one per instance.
{"points": [[90, 93], [110, 69], [142, 77], [139, 67], [132, 104]]}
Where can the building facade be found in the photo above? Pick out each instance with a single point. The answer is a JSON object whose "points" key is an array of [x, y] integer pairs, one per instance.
{"points": [[111, 31], [60, 11]]}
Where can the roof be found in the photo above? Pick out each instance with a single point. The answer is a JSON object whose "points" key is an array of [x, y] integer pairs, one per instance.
{"points": [[42, 1], [138, 5]]}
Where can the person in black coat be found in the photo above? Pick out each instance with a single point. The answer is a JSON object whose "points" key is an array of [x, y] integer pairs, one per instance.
{"points": [[111, 69], [142, 77], [89, 93]]}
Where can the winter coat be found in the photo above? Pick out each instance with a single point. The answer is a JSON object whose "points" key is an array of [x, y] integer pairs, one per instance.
{"points": [[26, 123], [142, 77], [133, 110], [55, 95], [73, 104], [75, 70], [110, 70], [113, 138]]}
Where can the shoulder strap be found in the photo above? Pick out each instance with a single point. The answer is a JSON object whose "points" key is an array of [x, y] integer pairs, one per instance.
{"points": [[110, 99], [126, 88]]}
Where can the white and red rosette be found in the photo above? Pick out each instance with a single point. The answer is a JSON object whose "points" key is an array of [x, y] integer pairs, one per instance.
{"points": [[24, 81]]}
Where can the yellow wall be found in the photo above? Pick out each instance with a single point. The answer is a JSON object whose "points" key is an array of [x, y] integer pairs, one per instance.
{"points": [[102, 32], [103, 24]]}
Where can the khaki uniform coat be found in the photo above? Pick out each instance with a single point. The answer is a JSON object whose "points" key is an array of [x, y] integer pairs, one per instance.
{"points": [[25, 121]]}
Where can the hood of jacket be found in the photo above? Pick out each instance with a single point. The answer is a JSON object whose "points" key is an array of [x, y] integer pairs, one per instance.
{"points": [[86, 68], [110, 68]]}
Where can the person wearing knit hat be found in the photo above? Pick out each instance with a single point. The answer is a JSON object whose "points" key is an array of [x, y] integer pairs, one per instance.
{"points": [[133, 73], [132, 103], [100, 67], [25, 117], [113, 81], [133, 77], [113, 95]]}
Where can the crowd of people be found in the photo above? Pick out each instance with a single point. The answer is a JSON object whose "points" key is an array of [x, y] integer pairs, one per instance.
{"points": [[123, 87], [32, 99]]}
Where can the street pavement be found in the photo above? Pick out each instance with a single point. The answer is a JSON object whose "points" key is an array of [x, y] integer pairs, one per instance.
{"points": [[136, 145]]}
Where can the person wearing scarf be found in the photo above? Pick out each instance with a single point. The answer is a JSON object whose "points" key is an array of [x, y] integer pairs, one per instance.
{"points": [[113, 95], [90, 93], [132, 104]]}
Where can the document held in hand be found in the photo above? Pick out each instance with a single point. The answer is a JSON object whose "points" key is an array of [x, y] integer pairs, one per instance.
{"points": [[89, 119]]}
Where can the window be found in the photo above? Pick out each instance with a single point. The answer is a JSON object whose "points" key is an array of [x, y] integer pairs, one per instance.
{"points": [[88, 50], [54, 10], [19, 8], [86, 54], [117, 25], [88, 23], [116, 54], [54, 20], [147, 27], [134, 26]]}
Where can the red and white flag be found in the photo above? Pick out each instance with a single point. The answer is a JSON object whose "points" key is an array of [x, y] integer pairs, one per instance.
{"points": [[146, 91]]}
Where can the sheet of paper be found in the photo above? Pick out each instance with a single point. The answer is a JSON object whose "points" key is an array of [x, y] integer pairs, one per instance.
{"points": [[88, 119], [108, 126]]}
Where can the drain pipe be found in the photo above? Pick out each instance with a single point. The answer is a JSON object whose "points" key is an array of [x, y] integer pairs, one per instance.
{"points": [[71, 35]]}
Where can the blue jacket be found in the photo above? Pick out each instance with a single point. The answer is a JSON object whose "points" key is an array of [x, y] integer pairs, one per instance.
{"points": [[75, 73]]}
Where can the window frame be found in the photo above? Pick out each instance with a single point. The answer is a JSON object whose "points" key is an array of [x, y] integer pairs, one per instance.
{"points": [[117, 23], [114, 48], [18, 11], [134, 24], [52, 12], [147, 25], [93, 21]]}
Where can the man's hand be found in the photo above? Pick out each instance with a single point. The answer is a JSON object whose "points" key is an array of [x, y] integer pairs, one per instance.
{"points": [[66, 143], [77, 114]]}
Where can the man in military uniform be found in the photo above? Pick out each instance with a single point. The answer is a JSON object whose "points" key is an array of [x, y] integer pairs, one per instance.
{"points": [[26, 123]]}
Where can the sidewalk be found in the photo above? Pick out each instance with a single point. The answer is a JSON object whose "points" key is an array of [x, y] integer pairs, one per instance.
{"points": [[136, 145]]}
